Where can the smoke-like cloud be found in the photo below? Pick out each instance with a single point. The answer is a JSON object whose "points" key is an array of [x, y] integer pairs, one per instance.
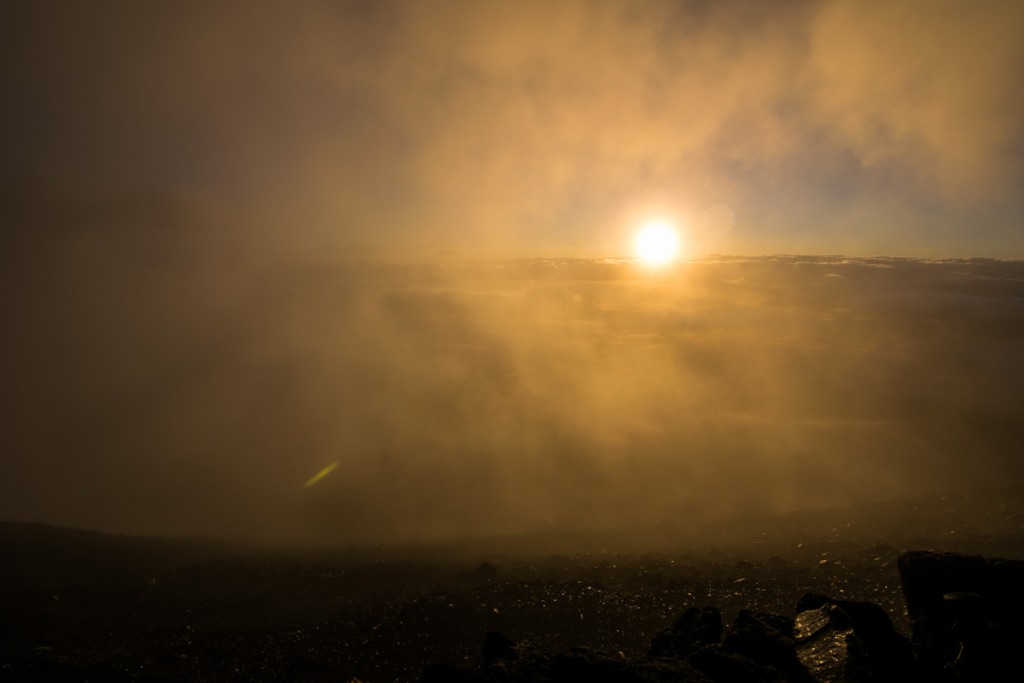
{"points": [[923, 87], [178, 361], [199, 395], [527, 124]]}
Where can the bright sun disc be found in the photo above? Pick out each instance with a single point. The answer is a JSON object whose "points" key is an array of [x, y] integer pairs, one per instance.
{"points": [[657, 243]]}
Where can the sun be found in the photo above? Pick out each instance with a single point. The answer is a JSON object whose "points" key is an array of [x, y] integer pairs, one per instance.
{"points": [[657, 243]]}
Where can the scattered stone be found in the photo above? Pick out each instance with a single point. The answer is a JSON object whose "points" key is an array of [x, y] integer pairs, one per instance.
{"points": [[695, 628], [531, 663], [486, 571], [448, 673], [722, 666], [965, 616], [498, 647]]}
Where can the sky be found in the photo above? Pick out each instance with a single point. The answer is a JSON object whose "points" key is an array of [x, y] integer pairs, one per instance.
{"points": [[362, 271], [829, 126]]}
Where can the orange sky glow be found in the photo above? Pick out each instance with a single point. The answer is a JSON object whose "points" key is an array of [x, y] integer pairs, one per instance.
{"points": [[821, 126], [374, 270]]}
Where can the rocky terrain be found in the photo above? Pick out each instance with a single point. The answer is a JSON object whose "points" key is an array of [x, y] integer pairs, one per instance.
{"points": [[77, 605]]}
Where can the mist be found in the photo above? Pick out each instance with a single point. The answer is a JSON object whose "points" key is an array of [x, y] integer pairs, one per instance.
{"points": [[168, 386], [825, 126], [245, 243], [338, 334]]}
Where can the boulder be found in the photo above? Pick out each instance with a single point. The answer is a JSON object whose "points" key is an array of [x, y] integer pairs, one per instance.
{"points": [[695, 628], [965, 613], [767, 640], [722, 666], [847, 640]]}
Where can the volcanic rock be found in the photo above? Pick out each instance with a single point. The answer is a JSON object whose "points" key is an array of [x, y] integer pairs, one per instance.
{"points": [[846, 640], [695, 628], [965, 613], [768, 640]]}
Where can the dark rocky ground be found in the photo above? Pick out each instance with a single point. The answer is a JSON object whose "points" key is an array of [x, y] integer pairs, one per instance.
{"points": [[79, 605]]}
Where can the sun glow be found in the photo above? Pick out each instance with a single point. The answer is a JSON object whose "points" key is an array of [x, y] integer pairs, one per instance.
{"points": [[657, 243]]}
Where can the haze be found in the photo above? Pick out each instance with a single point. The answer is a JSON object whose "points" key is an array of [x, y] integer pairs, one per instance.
{"points": [[244, 243]]}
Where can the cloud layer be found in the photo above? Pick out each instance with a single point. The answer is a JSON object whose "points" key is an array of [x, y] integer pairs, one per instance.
{"points": [[826, 126], [168, 392], [185, 354]]}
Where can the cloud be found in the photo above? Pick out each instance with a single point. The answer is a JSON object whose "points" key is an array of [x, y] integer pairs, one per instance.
{"points": [[465, 397], [923, 87], [182, 361], [530, 124]]}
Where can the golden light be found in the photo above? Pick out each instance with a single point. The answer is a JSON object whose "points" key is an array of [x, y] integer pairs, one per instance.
{"points": [[657, 243]]}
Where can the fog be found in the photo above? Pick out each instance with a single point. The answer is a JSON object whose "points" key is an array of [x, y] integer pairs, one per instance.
{"points": [[829, 127], [246, 244], [162, 387]]}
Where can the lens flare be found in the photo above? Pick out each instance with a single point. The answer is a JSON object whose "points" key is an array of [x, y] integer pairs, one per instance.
{"points": [[320, 475]]}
